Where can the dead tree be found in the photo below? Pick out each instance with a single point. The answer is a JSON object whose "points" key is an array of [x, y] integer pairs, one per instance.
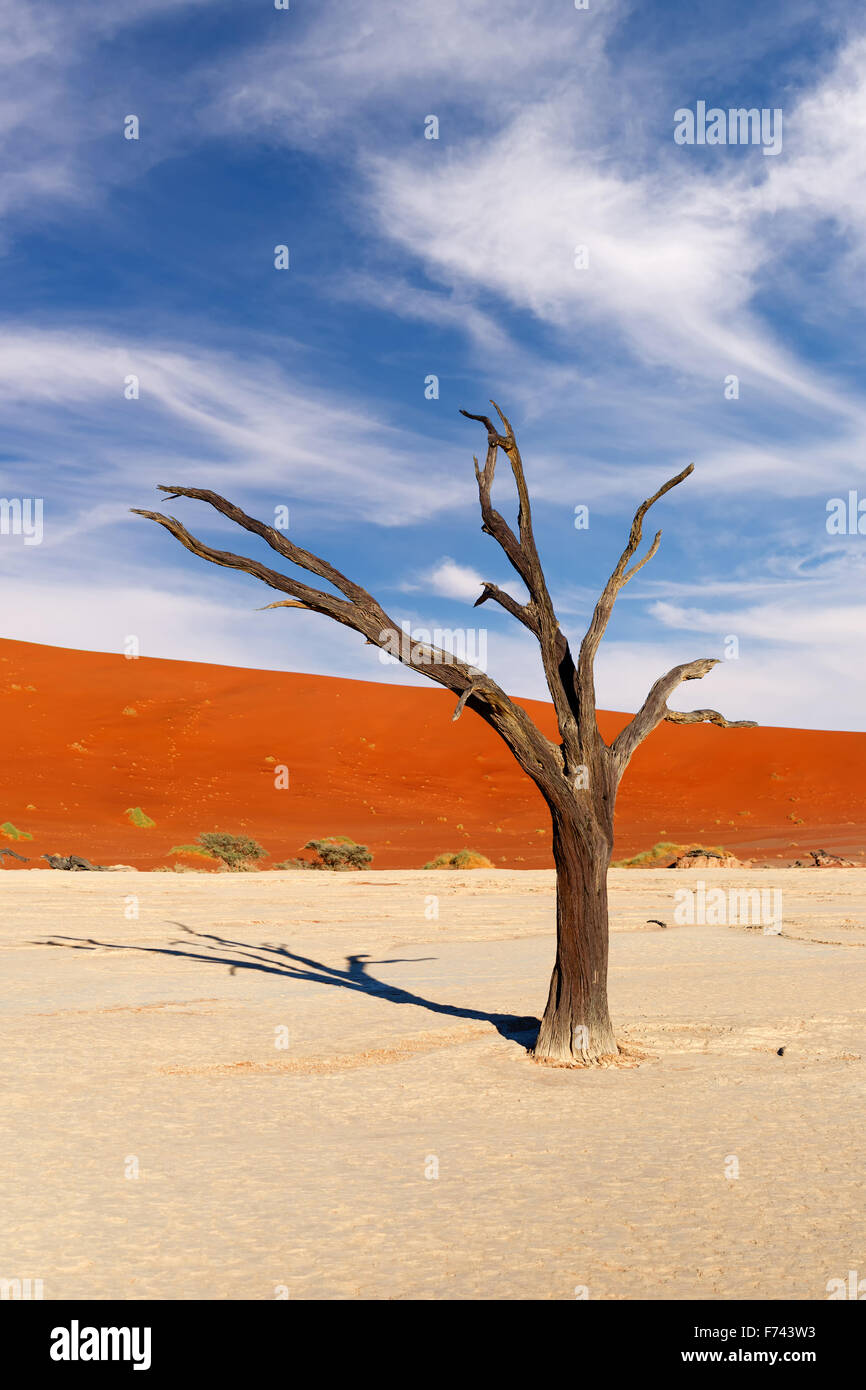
{"points": [[578, 777]]}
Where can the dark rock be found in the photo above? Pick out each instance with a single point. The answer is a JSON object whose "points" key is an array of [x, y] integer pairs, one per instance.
{"points": [[709, 859], [820, 859]]}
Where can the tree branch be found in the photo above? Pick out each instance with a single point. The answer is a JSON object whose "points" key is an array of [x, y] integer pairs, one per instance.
{"points": [[654, 711], [572, 689], [316, 599], [470, 690], [707, 716], [360, 611], [279, 542], [603, 609], [523, 612], [538, 615], [492, 521]]}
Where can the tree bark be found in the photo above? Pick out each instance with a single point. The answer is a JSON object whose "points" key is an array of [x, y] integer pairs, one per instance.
{"points": [[576, 1026]]}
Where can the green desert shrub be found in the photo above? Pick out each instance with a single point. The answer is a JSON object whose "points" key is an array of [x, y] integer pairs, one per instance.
{"points": [[647, 857], [463, 859], [663, 850], [339, 852], [235, 852], [13, 833]]}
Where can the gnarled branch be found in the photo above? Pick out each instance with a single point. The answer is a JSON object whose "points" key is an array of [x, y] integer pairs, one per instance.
{"points": [[707, 716], [492, 521], [654, 711], [603, 609], [538, 615], [359, 610], [342, 610], [458, 710], [305, 559], [572, 689], [523, 612]]}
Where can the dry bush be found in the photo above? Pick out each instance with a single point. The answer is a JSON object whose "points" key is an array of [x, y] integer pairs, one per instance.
{"points": [[463, 859]]}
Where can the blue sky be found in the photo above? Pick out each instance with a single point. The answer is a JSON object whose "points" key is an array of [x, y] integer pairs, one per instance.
{"points": [[454, 257]]}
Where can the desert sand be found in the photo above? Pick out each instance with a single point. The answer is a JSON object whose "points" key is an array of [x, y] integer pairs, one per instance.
{"points": [[160, 1143], [89, 737]]}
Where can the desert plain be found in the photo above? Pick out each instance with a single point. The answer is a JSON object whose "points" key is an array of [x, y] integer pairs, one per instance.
{"points": [[315, 1085]]}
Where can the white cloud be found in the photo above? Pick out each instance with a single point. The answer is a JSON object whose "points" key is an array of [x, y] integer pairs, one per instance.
{"points": [[674, 256], [56, 112], [215, 419], [773, 684], [210, 618], [455, 581], [449, 579], [810, 626], [534, 163], [325, 79], [541, 149]]}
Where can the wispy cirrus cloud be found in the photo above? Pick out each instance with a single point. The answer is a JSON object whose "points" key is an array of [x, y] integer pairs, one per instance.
{"points": [[65, 404], [454, 257], [56, 121]]}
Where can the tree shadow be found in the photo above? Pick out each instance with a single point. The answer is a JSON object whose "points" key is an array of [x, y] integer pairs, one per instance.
{"points": [[279, 960]]}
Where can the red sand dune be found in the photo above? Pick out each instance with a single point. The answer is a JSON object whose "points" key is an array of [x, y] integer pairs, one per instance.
{"points": [[87, 736]]}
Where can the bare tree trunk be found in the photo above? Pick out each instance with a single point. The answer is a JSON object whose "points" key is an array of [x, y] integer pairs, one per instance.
{"points": [[576, 1026]]}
